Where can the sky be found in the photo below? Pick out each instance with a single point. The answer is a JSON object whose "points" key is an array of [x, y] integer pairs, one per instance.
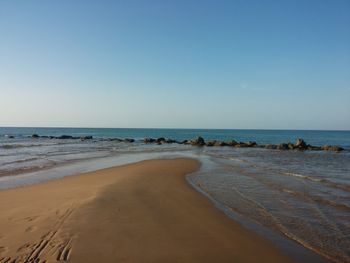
{"points": [[176, 64]]}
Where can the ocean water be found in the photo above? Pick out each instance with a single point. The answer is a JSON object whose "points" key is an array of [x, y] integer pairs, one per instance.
{"points": [[300, 195]]}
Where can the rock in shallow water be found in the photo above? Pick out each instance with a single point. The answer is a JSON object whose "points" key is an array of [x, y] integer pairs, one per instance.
{"points": [[83, 138], [332, 148], [149, 140], [65, 137], [300, 143], [199, 141]]}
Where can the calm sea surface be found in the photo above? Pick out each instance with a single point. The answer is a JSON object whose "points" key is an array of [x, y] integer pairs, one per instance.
{"points": [[304, 196]]}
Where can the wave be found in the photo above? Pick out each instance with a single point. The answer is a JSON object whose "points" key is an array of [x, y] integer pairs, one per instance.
{"points": [[26, 169], [227, 157], [317, 200], [22, 161], [303, 176], [323, 181], [10, 146], [16, 146]]}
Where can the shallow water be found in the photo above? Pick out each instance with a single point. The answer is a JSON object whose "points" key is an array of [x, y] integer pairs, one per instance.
{"points": [[304, 196]]}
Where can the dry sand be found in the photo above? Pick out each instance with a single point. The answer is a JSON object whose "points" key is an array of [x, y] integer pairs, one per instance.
{"points": [[143, 212]]}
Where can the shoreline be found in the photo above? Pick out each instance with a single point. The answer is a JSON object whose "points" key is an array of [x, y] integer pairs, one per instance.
{"points": [[49, 228], [291, 247], [77, 167]]}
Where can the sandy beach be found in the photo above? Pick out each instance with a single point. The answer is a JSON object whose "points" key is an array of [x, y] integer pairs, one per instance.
{"points": [[142, 212]]}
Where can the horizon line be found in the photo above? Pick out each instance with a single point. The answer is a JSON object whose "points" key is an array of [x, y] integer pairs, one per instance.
{"points": [[152, 128]]}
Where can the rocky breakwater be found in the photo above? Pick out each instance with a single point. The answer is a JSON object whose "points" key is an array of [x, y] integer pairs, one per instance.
{"points": [[62, 137], [300, 144], [160, 140], [82, 138]]}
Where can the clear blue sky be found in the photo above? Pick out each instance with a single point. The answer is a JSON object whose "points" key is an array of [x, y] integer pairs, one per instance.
{"points": [[187, 64]]}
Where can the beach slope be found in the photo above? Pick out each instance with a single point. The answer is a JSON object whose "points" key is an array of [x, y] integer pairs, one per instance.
{"points": [[142, 212]]}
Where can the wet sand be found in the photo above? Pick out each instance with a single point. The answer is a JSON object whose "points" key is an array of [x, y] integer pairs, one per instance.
{"points": [[142, 212]]}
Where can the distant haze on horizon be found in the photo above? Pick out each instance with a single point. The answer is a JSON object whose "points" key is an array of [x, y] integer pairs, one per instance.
{"points": [[175, 64]]}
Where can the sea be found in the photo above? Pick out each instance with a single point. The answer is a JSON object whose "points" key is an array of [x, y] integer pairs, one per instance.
{"points": [[300, 200]]}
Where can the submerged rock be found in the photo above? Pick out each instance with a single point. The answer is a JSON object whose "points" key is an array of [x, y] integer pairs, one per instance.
{"points": [[35, 135]]}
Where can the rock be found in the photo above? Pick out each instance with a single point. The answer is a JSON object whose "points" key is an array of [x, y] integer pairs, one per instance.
{"points": [[65, 137], [199, 141], [245, 144], [232, 143], [291, 146], [251, 144], [83, 138], [220, 143], [35, 135], [129, 140], [161, 140], [149, 140], [185, 142], [114, 139], [170, 141], [300, 144], [270, 146], [11, 137], [332, 148], [211, 143], [314, 148], [282, 146], [216, 143]]}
